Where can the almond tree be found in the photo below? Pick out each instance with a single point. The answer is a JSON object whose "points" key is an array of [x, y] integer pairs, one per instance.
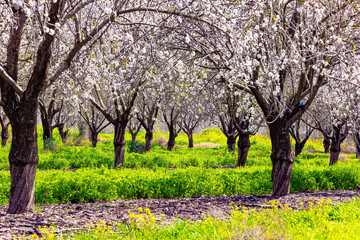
{"points": [[39, 42], [148, 109], [281, 52]]}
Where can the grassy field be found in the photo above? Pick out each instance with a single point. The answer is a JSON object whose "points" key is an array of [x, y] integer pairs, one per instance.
{"points": [[76, 172]]}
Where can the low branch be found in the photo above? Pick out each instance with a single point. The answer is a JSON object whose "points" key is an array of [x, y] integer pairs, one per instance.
{"points": [[11, 82]]}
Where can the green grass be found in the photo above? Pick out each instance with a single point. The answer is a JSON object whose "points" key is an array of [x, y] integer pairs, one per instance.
{"points": [[88, 185], [321, 221]]}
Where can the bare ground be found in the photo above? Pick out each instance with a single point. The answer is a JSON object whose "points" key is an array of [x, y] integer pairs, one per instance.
{"points": [[68, 217]]}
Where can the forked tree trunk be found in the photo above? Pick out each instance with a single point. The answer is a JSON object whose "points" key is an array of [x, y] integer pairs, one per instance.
{"points": [[23, 160], [243, 149], [357, 144], [326, 144], [4, 135], [282, 158], [63, 134], [191, 140], [119, 144], [231, 141], [299, 146], [93, 138], [148, 140]]}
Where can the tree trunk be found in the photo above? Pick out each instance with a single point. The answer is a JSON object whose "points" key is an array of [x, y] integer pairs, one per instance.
{"points": [[23, 160], [282, 158], [299, 147], [191, 140], [133, 138], [148, 140], [47, 133], [63, 134], [243, 149], [326, 143], [357, 144], [4, 135], [171, 142], [335, 150], [231, 141], [119, 144], [93, 138]]}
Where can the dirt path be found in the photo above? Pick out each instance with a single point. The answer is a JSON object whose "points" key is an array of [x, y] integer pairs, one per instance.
{"points": [[76, 216]]}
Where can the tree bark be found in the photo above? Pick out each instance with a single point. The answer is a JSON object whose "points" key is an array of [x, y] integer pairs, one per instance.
{"points": [[357, 144], [326, 144], [282, 158], [119, 144], [171, 142], [337, 138], [191, 140], [231, 141], [63, 134], [243, 149], [93, 138], [23, 160], [4, 135], [148, 140], [299, 147], [47, 133]]}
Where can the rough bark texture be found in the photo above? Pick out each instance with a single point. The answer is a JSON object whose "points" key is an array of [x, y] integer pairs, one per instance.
{"points": [[243, 149], [63, 133], [282, 158], [93, 138], [23, 160], [299, 147], [171, 142], [148, 140], [231, 141], [326, 144], [357, 144], [4, 135], [191, 140], [119, 144], [336, 139]]}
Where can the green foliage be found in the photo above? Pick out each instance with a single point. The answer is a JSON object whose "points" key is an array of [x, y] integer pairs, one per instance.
{"points": [[135, 147]]}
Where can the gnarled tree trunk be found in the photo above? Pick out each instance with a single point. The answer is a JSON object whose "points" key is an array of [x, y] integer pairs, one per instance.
{"points": [[191, 140], [231, 141], [357, 144], [243, 149], [63, 133], [282, 158], [326, 144], [119, 144], [148, 140], [93, 135], [337, 138], [171, 142], [4, 135], [23, 160]]}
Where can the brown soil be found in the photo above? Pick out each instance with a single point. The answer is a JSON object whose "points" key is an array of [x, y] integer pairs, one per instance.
{"points": [[67, 217]]}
